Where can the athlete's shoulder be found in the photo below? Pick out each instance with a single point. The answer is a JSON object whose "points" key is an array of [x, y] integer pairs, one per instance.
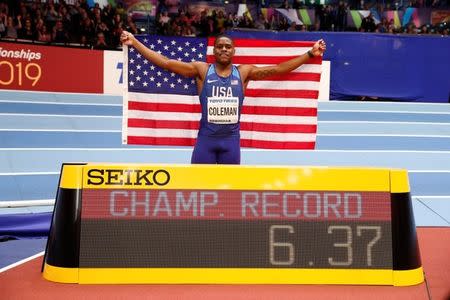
{"points": [[202, 68], [245, 70]]}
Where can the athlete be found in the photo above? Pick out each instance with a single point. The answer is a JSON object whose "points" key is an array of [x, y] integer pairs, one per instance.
{"points": [[221, 87]]}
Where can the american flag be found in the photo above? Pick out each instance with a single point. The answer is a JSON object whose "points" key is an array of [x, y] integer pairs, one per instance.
{"points": [[162, 108]]}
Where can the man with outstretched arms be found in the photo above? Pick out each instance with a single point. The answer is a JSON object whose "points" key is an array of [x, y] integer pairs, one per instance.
{"points": [[221, 87]]}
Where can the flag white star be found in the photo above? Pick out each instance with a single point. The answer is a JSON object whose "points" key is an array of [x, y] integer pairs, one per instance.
{"points": [[138, 78], [158, 84], [159, 41], [173, 42], [145, 83]]}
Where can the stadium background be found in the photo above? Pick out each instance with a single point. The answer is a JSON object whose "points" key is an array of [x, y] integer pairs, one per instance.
{"points": [[414, 69]]}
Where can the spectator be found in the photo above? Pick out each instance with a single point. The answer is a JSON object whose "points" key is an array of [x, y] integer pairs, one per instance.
{"points": [[3, 22], [44, 35], [292, 27], [325, 18], [11, 29], [103, 28], [131, 26], [283, 25], [297, 4], [27, 32], [285, 5], [59, 33], [220, 19], [260, 23], [341, 16], [107, 14], [163, 23], [50, 14], [100, 43], [368, 24], [232, 20], [87, 29]]}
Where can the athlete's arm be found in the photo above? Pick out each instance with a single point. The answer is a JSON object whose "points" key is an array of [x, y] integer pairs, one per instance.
{"points": [[250, 72], [192, 69]]}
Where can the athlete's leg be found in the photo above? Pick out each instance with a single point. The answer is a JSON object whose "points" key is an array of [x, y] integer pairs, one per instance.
{"points": [[230, 152], [204, 151]]}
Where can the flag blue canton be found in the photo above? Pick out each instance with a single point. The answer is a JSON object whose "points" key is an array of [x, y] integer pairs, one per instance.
{"points": [[143, 76]]}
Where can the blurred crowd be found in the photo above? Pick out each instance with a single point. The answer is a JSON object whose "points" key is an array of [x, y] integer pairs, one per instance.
{"points": [[62, 23], [74, 22], [330, 17]]}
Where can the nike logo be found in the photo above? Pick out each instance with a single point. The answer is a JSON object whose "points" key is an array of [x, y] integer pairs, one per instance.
{"points": [[211, 81]]}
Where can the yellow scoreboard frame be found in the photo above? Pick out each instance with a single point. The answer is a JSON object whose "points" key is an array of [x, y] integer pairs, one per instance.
{"points": [[80, 204]]}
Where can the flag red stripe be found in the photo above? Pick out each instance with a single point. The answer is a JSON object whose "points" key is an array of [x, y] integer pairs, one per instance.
{"points": [[186, 125], [309, 94], [168, 107], [264, 43], [161, 141], [276, 145], [282, 111], [163, 124], [195, 108], [266, 60], [294, 76], [283, 128]]}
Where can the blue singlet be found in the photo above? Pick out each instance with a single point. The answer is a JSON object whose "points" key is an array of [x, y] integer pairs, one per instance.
{"points": [[221, 100]]}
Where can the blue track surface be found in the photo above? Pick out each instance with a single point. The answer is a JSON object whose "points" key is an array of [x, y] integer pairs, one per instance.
{"points": [[40, 131]]}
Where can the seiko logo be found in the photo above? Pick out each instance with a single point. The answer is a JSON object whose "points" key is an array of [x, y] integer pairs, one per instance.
{"points": [[128, 177]]}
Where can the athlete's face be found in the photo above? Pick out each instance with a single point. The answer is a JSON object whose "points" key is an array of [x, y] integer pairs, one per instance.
{"points": [[223, 50]]}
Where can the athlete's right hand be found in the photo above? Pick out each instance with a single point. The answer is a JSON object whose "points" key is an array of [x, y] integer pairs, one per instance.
{"points": [[127, 38]]}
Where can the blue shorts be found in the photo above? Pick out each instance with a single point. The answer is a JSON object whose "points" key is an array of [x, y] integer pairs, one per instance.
{"points": [[217, 150]]}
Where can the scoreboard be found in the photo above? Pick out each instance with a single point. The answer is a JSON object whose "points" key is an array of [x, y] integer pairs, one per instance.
{"points": [[232, 224]]}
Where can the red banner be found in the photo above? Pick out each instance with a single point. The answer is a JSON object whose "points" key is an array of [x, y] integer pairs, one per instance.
{"points": [[54, 69]]}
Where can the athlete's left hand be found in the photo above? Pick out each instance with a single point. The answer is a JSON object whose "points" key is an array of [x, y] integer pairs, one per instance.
{"points": [[319, 48]]}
